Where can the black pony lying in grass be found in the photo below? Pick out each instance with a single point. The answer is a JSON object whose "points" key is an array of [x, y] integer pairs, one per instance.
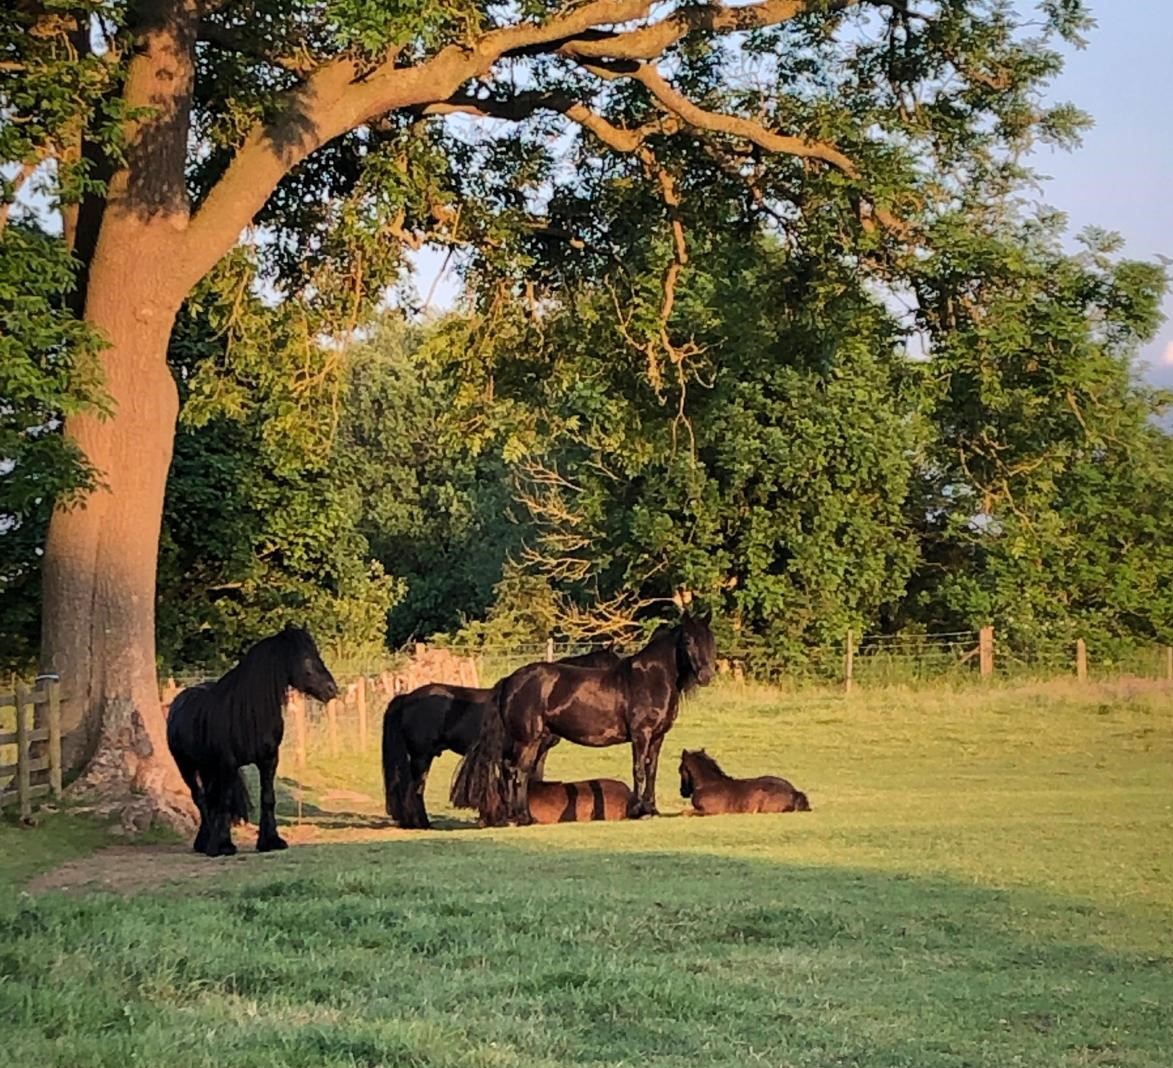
{"points": [[420, 725], [215, 728]]}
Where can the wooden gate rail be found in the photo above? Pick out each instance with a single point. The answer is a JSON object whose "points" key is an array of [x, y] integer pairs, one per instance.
{"points": [[29, 762]]}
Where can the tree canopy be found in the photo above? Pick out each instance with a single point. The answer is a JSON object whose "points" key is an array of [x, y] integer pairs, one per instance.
{"points": [[683, 228]]}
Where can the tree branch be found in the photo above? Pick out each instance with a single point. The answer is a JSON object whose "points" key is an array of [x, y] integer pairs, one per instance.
{"points": [[340, 96], [648, 42]]}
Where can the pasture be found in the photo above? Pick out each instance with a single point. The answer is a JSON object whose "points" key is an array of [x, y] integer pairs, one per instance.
{"points": [[986, 878]]}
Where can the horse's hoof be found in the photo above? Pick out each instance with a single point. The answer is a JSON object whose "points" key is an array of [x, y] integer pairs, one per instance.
{"points": [[270, 845]]}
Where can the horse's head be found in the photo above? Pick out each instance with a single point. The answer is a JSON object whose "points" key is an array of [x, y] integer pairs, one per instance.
{"points": [[307, 673], [699, 647]]}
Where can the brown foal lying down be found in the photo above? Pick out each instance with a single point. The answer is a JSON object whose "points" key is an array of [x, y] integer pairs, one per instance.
{"points": [[713, 792], [578, 802]]}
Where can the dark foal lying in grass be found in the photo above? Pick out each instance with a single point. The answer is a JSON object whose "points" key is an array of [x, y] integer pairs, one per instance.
{"points": [[579, 802], [713, 792]]}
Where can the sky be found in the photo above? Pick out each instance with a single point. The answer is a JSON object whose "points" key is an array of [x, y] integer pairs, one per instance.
{"points": [[1122, 176], [1120, 179]]}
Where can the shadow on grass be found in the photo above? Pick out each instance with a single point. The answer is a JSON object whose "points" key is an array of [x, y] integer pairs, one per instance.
{"points": [[517, 949]]}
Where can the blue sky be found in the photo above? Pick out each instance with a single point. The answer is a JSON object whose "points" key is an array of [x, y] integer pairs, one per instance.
{"points": [[1120, 179], [1122, 176]]}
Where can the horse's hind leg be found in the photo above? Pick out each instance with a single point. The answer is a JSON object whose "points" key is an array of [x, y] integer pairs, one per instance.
{"points": [[267, 837], [416, 814], [526, 757], [539, 772], [188, 771]]}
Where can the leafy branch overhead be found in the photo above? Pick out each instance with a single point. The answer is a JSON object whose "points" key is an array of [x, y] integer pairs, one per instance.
{"points": [[329, 124]]}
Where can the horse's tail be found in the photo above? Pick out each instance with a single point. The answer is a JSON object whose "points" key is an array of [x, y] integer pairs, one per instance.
{"points": [[238, 799], [481, 779], [396, 759], [801, 804]]}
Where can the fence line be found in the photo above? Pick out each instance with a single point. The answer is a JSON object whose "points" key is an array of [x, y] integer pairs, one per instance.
{"points": [[37, 744], [344, 724]]}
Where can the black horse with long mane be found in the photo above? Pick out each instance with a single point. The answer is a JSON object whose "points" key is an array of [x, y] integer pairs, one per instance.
{"points": [[217, 727], [635, 701], [420, 725]]}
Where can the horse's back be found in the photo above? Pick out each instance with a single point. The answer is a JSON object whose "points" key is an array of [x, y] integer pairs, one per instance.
{"points": [[579, 802], [437, 716], [581, 704]]}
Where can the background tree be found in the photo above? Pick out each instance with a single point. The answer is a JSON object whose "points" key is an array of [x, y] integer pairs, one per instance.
{"points": [[1044, 504], [432, 508], [257, 529], [173, 127], [48, 369]]}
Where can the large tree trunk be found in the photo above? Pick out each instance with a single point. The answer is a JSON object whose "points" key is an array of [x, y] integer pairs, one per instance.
{"points": [[100, 558], [98, 622]]}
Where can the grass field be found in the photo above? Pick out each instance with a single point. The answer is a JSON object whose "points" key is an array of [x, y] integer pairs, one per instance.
{"points": [[986, 880]]}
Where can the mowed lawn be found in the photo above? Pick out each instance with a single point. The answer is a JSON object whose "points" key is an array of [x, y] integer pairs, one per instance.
{"points": [[986, 880]]}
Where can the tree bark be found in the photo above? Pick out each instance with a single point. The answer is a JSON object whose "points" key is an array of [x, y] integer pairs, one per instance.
{"points": [[100, 557], [98, 616]]}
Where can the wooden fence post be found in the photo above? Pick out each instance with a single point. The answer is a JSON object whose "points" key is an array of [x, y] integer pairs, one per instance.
{"points": [[297, 704], [1081, 660], [360, 701], [23, 753], [849, 662], [549, 650], [986, 651], [54, 710], [1169, 662], [332, 724]]}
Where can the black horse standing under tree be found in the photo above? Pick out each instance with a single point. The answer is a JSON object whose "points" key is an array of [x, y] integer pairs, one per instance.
{"points": [[635, 701], [215, 728], [420, 725]]}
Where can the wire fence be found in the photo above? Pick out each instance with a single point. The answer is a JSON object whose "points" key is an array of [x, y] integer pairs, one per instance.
{"points": [[949, 658], [353, 722]]}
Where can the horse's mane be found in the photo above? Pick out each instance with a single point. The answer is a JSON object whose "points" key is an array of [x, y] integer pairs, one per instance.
{"points": [[697, 760], [665, 645], [245, 702]]}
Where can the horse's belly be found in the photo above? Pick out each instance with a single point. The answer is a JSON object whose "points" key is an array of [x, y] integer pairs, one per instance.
{"points": [[588, 728]]}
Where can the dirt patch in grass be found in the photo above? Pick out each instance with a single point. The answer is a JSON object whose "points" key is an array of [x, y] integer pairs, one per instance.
{"points": [[132, 869]]}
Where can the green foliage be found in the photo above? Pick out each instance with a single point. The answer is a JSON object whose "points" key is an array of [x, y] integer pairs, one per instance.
{"points": [[48, 369], [684, 368], [256, 531], [433, 508], [1046, 502]]}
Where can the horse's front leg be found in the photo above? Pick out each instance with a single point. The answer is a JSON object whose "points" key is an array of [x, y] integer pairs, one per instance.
{"points": [[267, 837], [651, 765], [218, 800], [640, 742]]}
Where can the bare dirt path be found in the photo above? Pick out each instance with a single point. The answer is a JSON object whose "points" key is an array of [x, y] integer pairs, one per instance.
{"points": [[129, 868]]}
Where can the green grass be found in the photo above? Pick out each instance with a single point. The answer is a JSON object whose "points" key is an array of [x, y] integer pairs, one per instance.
{"points": [[986, 879], [56, 838]]}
